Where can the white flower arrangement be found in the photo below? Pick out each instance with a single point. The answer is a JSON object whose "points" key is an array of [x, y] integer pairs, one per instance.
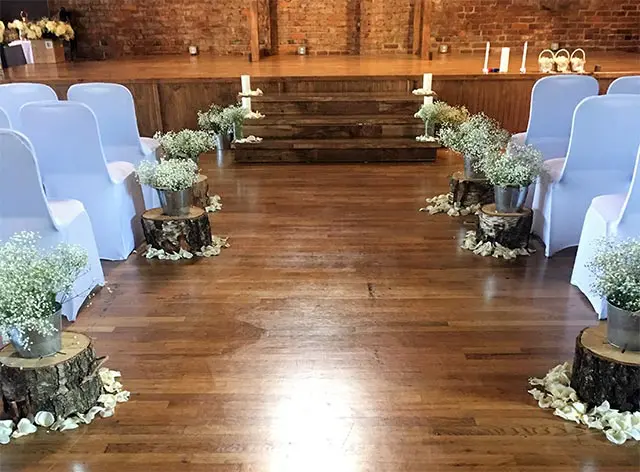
{"points": [[254, 115], [30, 280], [171, 175], [185, 144], [441, 113], [56, 29], [234, 115], [554, 391], [422, 92], [475, 139], [519, 166], [213, 120], [251, 139], [616, 267]]}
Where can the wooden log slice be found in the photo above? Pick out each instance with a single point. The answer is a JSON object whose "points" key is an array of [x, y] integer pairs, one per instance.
{"points": [[200, 192], [511, 230], [172, 233], [603, 372], [63, 384], [466, 192]]}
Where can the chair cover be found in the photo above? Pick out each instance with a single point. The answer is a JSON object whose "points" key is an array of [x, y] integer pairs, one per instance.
{"points": [[115, 110], [629, 84], [75, 168], [13, 96], [616, 215], [553, 101], [5, 122], [600, 161], [23, 207]]}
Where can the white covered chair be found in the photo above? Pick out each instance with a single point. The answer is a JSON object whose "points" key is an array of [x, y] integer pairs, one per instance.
{"points": [[615, 215], [115, 110], [629, 84], [24, 207], [72, 163], [604, 142], [13, 96], [5, 122]]}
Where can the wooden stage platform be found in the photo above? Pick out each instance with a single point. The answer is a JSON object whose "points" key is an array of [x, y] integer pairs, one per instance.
{"points": [[170, 89]]}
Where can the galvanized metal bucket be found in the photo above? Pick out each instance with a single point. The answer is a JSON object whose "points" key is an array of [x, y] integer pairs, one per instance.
{"points": [[470, 172], [510, 199], [32, 344], [175, 203], [222, 141], [623, 328]]}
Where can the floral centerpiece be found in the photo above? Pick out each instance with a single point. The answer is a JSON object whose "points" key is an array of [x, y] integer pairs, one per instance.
{"points": [[616, 269], [438, 114], [511, 172], [475, 139], [26, 29], [44, 28], [33, 284], [173, 179], [185, 144], [2, 31], [213, 120], [234, 116]]}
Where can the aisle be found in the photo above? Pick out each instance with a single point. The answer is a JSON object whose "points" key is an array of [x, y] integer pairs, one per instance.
{"points": [[342, 331]]}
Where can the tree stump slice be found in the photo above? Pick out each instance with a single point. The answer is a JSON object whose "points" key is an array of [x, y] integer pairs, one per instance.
{"points": [[603, 372], [466, 192], [200, 192], [172, 233], [63, 384], [510, 230]]}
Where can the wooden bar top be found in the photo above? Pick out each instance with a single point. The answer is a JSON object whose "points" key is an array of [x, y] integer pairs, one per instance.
{"points": [[185, 68]]}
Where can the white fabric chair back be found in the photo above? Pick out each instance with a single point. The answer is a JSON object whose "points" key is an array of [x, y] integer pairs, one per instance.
{"points": [[631, 204], [5, 122], [13, 96], [66, 139], [605, 135], [22, 200], [630, 84], [115, 110]]}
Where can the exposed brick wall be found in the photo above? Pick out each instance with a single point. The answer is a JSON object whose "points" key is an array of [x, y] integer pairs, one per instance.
{"points": [[591, 24], [111, 28]]}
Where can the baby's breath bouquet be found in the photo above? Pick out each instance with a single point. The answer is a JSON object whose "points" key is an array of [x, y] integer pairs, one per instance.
{"points": [[234, 116], [213, 120], [441, 113], [30, 280], [185, 144], [170, 175], [519, 166], [475, 139], [616, 267]]}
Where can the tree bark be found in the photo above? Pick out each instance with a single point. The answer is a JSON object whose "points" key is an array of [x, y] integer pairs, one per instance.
{"points": [[603, 372], [466, 192], [200, 192], [63, 384], [172, 233], [510, 230]]}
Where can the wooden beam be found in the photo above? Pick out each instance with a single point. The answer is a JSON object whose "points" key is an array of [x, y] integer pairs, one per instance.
{"points": [[425, 42], [417, 26], [254, 39]]}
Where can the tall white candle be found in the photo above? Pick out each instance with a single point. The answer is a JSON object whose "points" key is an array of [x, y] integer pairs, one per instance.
{"points": [[246, 103], [523, 68], [246, 83], [504, 60], [486, 58], [427, 83]]}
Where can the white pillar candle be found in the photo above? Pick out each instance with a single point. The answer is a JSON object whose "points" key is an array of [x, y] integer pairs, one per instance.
{"points": [[427, 83], [246, 83], [523, 68], [485, 69], [246, 103], [504, 60]]}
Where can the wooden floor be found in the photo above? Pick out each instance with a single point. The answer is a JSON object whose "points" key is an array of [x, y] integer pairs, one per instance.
{"points": [[185, 67], [343, 331]]}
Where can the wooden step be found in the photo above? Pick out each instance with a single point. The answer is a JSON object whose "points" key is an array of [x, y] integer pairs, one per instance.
{"points": [[404, 104], [334, 126], [336, 150]]}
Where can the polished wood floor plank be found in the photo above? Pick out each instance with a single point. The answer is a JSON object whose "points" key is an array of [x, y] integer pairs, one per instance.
{"points": [[342, 331]]}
